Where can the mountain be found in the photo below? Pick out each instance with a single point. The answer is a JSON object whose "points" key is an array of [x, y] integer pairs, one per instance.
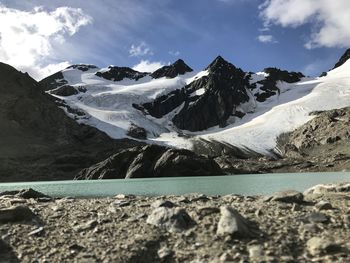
{"points": [[38, 141], [343, 59], [174, 105], [87, 122], [43, 138], [179, 67]]}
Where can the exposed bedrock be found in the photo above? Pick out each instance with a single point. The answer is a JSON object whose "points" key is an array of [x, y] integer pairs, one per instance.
{"points": [[151, 161]]}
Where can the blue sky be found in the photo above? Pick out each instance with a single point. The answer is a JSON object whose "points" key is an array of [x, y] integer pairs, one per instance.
{"points": [[301, 35]]}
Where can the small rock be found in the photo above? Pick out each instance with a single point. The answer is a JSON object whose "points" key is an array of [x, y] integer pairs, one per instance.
{"points": [[163, 203], [87, 226], [174, 220], [201, 197], [25, 193], [207, 210], [318, 245], [289, 196], [76, 247], [36, 232], [164, 252], [323, 205], [346, 219], [255, 252], [232, 223], [226, 257], [317, 218], [16, 214]]}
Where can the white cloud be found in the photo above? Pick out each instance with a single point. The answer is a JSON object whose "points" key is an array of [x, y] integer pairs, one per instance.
{"points": [[330, 20], [27, 37], [140, 50], [174, 53], [267, 39], [148, 66]]}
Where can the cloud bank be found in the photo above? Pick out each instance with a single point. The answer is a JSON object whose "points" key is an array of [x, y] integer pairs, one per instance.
{"points": [[27, 37], [330, 20]]}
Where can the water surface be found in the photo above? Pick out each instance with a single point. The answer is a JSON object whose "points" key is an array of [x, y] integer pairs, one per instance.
{"points": [[247, 184]]}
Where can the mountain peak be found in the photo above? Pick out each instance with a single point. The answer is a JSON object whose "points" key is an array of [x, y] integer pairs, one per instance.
{"points": [[179, 67], [343, 59], [218, 63]]}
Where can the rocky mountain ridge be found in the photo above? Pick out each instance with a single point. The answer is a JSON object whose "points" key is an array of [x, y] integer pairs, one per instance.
{"points": [[63, 127]]}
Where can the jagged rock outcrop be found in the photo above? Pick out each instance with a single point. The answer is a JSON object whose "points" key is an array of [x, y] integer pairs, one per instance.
{"points": [[83, 67], [268, 86], [119, 73], [151, 161], [137, 132], [343, 59], [207, 101], [38, 141], [67, 90], [173, 70], [52, 82], [225, 89]]}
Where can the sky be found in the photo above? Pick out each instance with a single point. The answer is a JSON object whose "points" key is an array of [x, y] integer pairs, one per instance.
{"points": [[44, 36]]}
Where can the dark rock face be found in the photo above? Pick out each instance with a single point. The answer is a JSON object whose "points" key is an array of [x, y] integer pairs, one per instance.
{"points": [[269, 87], [225, 89], [171, 71], [67, 90], [83, 67], [120, 73], [38, 141], [52, 82], [343, 59], [137, 132], [151, 161]]}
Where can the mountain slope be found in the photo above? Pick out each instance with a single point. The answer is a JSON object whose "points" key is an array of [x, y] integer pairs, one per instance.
{"points": [[221, 107], [38, 141]]}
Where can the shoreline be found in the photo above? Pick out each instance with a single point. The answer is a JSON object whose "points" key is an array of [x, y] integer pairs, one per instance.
{"points": [[285, 227]]}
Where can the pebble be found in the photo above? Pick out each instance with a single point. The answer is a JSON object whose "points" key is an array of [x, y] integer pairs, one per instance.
{"points": [[164, 252], [255, 252]]}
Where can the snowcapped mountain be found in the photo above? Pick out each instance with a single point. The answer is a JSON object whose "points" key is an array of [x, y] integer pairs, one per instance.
{"points": [[177, 107]]}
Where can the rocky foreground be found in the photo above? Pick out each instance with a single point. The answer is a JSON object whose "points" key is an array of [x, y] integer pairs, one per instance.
{"points": [[313, 226]]}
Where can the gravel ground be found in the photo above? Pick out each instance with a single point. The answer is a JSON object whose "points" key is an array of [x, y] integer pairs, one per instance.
{"points": [[285, 227]]}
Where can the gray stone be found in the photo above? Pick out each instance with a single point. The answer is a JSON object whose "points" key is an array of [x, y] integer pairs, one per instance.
{"points": [[37, 232], [163, 203], [164, 252], [317, 218], [320, 245], [173, 220], [323, 205], [255, 252], [289, 196], [16, 214], [234, 224]]}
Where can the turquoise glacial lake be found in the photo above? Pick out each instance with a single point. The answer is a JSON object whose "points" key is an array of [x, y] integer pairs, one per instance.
{"points": [[247, 184]]}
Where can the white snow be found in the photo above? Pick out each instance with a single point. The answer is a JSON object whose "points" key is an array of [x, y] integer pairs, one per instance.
{"points": [[108, 106]]}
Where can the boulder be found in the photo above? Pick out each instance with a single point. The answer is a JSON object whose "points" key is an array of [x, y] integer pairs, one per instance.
{"points": [[151, 161], [234, 224], [173, 220]]}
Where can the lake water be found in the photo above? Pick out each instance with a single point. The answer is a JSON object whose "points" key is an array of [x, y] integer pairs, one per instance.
{"points": [[247, 184]]}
